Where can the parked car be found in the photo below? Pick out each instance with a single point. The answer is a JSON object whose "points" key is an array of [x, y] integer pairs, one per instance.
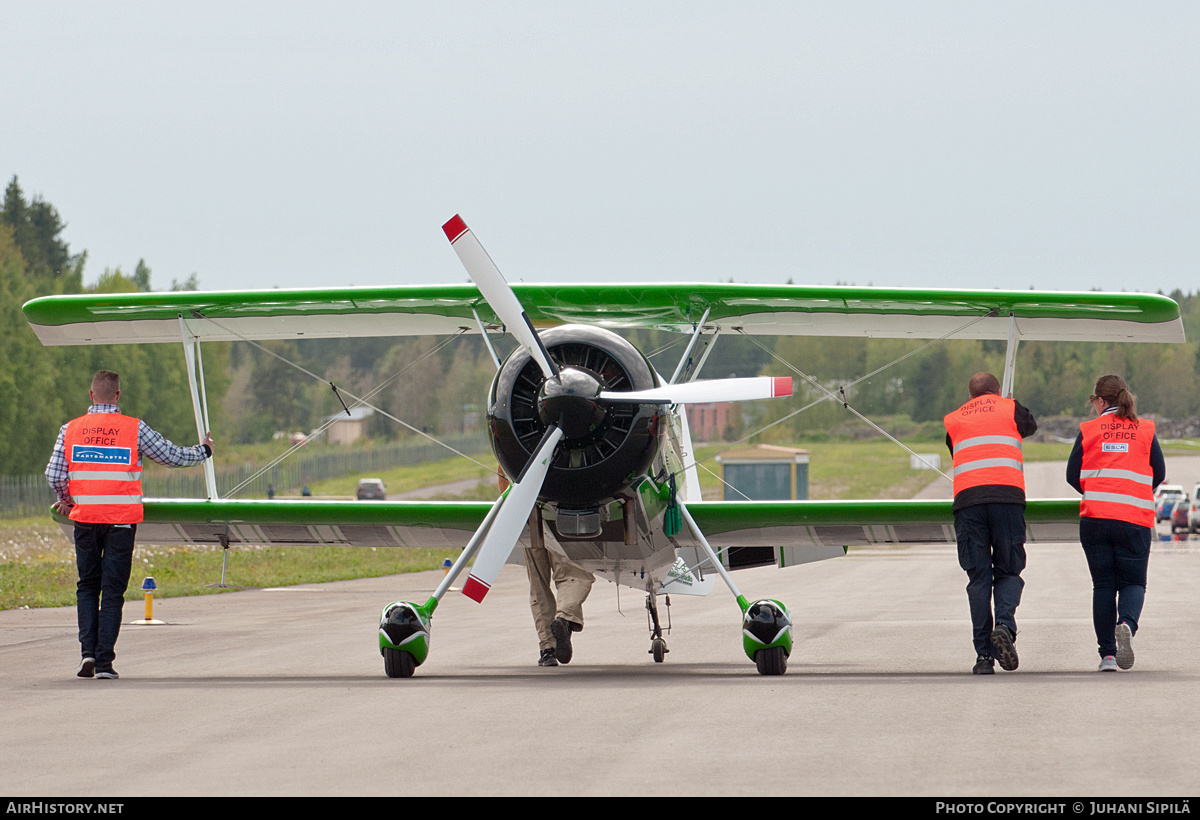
{"points": [[1194, 510], [1164, 500], [371, 489], [1179, 515]]}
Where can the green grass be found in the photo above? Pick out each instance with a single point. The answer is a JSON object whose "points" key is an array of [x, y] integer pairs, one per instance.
{"points": [[414, 477], [871, 468], [1180, 447], [37, 566], [839, 470], [37, 561]]}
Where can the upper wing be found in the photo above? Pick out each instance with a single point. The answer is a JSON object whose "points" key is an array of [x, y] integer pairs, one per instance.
{"points": [[758, 309]]}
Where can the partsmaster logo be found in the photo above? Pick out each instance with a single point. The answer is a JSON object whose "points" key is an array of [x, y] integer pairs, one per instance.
{"points": [[83, 454]]}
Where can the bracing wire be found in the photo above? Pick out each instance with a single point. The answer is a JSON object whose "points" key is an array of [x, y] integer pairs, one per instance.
{"points": [[831, 396], [357, 401], [664, 348], [710, 471]]}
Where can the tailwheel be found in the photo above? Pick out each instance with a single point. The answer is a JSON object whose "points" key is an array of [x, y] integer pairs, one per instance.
{"points": [[658, 646], [398, 664], [771, 661]]}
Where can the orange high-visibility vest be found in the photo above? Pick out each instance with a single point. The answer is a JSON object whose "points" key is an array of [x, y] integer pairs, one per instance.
{"points": [[1116, 476], [986, 444], [103, 471]]}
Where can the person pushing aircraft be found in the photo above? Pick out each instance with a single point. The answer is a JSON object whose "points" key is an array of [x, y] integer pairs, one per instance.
{"points": [[96, 471], [984, 437]]}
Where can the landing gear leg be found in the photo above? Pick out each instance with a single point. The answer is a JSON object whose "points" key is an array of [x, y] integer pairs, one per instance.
{"points": [[404, 626], [658, 646], [766, 625]]}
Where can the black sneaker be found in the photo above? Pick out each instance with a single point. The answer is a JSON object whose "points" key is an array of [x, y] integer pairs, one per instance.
{"points": [[547, 658], [984, 666], [1004, 649], [560, 628], [107, 674], [87, 668]]}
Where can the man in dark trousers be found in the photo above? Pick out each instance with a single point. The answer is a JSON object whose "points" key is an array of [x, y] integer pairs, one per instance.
{"points": [[96, 471], [984, 436]]}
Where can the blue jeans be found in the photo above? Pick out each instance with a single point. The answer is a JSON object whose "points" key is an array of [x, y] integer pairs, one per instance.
{"points": [[1118, 555], [104, 556], [991, 548]]}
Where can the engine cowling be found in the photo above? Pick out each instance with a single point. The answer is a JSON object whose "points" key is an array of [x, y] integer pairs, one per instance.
{"points": [[605, 445]]}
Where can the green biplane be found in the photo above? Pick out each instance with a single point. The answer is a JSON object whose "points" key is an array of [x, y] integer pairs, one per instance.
{"points": [[592, 439]]}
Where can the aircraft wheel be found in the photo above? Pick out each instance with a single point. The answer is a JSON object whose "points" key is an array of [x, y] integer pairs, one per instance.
{"points": [[771, 661], [658, 648], [398, 663]]}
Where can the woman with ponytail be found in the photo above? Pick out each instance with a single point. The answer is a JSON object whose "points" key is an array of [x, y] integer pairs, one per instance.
{"points": [[1116, 464]]}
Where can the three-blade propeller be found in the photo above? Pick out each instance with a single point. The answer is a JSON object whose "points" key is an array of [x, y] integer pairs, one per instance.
{"points": [[568, 389]]}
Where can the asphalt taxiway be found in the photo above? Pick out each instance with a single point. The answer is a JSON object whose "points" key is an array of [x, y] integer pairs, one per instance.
{"points": [[282, 692]]}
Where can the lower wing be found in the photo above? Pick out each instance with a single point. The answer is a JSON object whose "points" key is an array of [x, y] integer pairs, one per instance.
{"points": [[785, 532]]}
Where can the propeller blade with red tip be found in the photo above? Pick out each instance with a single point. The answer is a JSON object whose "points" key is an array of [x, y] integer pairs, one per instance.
{"points": [[710, 390], [495, 290], [514, 512]]}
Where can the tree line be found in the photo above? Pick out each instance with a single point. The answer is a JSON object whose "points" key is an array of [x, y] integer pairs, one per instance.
{"points": [[41, 388], [1052, 378], [440, 387]]}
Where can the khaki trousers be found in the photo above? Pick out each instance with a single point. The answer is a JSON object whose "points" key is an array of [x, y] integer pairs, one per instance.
{"points": [[572, 583]]}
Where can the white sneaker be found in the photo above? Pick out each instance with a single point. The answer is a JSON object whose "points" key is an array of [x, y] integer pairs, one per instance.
{"points": [[1109, 664], [1124, 647]]}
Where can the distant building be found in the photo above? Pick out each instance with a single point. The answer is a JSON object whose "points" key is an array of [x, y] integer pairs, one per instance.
{"points": [[348, 429], [764, 472], [708, 422]]}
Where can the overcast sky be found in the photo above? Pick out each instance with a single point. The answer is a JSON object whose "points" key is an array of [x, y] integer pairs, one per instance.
{"points": [[294, 144]]}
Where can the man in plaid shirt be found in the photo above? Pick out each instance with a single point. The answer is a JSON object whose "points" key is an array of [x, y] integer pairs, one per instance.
{"points": [[96, 471]]}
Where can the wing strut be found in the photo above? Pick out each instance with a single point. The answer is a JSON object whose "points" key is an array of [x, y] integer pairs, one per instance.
{"points": [[195, 365], [1010, 357], [709, 344], [686, 358], [687, 370], [712, 556], [486, 340]]}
